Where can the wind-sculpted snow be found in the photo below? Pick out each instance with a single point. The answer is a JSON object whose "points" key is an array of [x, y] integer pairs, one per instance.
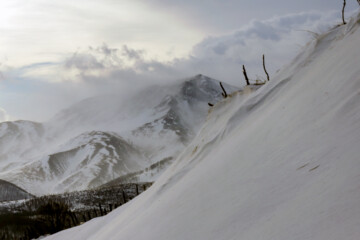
{"points": [[280, 163]]}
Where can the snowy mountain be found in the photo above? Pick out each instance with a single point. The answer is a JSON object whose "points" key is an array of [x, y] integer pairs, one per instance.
{"points": [[18, 139], [106, 137], [11, 192], [281, 163], [155, 103], [87, 161]]}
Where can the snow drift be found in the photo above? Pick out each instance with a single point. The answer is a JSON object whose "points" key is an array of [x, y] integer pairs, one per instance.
{"points": [[281, 163]]}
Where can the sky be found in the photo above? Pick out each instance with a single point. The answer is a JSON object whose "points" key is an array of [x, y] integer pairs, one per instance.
{"points": [[55, 53]]}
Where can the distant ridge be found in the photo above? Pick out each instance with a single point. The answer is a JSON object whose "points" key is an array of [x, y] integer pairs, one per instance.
{"points": [[11, 192]]}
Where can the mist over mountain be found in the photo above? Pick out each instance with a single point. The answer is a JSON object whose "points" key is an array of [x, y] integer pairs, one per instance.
{"points": [[104, 138]]}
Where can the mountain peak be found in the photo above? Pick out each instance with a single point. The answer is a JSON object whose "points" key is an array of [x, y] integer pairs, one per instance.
{"points": [[204, 88]]}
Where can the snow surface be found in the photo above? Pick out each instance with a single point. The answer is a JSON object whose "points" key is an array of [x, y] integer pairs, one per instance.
{"points": [[281, 163]]}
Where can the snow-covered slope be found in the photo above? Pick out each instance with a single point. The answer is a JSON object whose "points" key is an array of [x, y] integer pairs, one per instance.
{"points": [[18, 139], [281, 163], [11, 192], [104, 138], [87, 161]]}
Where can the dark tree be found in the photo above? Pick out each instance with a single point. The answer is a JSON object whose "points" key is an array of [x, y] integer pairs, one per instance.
{"points": [[101, 210], [124, 197], [55, 213]]}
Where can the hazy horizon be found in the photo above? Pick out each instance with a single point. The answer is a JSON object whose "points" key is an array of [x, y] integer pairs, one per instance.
{"points": [[56, 53]]}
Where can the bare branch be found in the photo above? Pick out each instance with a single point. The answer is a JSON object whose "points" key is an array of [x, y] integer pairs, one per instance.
{"points": [[343, 12], [224, 94], [245, 75], [267, 74]]}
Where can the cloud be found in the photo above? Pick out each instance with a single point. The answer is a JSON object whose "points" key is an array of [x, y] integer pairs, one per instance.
{"points": [[115, 68], [50, 86], [46, 30], [95, 58], [132, 54], [4, 116], [3, 68], [220, 16], [38, 91], [279, 38]]}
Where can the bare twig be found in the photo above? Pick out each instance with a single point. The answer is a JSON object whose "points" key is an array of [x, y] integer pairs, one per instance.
{"points": [[267, 74], [245, 75], [224, 94], [343, 12]]}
